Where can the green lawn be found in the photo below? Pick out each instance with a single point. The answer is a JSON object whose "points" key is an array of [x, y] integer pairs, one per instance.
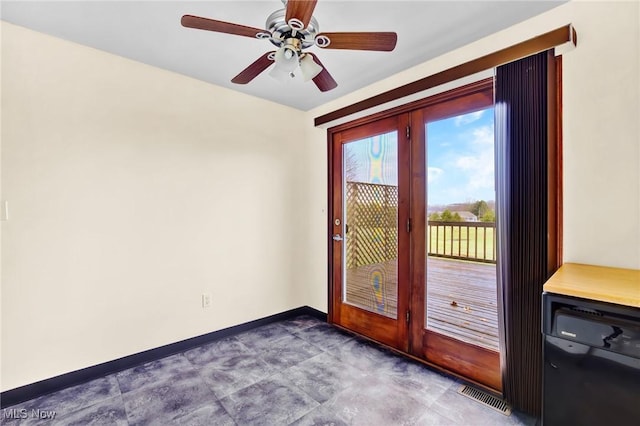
{"points": [[451, 241]]}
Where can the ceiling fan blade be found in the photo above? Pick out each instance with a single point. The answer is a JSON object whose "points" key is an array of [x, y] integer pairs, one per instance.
{"points": [[381, 41], [301, 10], [253, 70], [324, 81], [199, 23]]}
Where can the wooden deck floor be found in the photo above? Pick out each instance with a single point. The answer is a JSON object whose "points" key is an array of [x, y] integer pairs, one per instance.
{"points": [[461, 297]]}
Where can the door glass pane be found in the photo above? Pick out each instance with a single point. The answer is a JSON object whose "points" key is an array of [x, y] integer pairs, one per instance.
{"points": [[370, 180], [461, 252]]}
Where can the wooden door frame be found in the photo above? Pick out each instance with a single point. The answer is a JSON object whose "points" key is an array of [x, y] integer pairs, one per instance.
{"points": [[473, 96], [412, 107], [392, 332], [471, 361]]}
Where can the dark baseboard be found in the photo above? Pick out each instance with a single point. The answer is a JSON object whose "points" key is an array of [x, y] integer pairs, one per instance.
{"points": [[43, 387]]}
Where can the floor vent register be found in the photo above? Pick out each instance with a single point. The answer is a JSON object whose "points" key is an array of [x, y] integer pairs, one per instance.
{"points": [[485, 399]]}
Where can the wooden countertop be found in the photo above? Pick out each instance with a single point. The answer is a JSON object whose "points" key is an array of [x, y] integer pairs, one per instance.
{"points": [[614, 285]]}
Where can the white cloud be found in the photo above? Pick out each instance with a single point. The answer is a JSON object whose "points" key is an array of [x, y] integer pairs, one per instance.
{"points": [[466, 162], [479, 165], [479, 169], [483, 136], [468, 168], [434, 173], [461, 120]]}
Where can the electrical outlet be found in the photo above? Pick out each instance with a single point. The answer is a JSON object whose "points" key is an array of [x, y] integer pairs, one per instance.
{"points": [[206, 300]]}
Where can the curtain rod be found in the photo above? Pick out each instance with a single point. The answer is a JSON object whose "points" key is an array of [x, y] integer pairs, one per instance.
{"points": [[557, 37]]}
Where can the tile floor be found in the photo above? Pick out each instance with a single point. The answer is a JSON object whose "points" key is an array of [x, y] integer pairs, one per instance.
{"points": [[300, 371]]}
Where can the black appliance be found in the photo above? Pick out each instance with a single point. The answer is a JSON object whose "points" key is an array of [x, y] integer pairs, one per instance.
{"points": [[591, 362]]}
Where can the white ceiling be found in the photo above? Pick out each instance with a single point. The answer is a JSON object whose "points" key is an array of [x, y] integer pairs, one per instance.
{"points": [[150, 32]]}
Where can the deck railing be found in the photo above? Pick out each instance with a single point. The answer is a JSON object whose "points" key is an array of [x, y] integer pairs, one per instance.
{"points": [[462, 240], [372, 230]]}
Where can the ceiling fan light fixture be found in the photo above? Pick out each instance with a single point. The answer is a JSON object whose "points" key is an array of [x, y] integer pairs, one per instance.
{"points": [[286, 58], [309, 67], [282, 75]]}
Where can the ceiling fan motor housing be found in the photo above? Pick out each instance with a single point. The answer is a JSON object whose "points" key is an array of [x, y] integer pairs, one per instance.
{"points": [[281, 31]]}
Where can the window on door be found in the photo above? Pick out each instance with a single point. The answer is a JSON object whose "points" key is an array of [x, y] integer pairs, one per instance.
{"points": [[371, 227], [461, 246]]}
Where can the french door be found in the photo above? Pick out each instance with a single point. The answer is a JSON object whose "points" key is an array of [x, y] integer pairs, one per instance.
{"points": [[370, 249], [424, 287]]}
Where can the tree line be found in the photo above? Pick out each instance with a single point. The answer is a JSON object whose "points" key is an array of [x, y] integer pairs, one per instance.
{"points": [[480, 209]]}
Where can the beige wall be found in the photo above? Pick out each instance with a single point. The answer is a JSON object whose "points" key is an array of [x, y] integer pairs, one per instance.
{"points": [[601, 135], [132, 191]]}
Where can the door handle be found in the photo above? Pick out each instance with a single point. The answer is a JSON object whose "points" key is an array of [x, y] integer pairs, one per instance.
{"points": [[337, 237]]}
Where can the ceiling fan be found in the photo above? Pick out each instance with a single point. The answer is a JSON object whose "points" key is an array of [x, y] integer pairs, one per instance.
{"points": [[292, 30]]}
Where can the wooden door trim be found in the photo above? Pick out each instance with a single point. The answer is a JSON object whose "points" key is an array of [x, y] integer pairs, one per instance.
{"points": [[555, 206], [418, 219], [333, 315], [330, 261], [478, 364], [477, 86], [336, 315], [404, 242], [549, 40]]}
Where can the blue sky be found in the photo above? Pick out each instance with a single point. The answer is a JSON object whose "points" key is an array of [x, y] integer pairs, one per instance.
{"points": [[460, 159]]}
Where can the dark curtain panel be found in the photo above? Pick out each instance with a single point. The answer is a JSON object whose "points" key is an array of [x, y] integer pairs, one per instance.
{"points": [[522, 106]]}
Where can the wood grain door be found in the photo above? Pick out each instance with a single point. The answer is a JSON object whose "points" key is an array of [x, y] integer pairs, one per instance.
{"points": [[369, 235], [431, 296], [455, 304]]}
